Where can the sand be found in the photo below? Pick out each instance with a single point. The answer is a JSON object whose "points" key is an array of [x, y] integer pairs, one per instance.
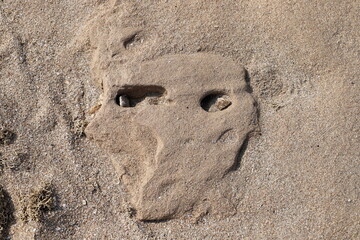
{"points": [[299, 176]]}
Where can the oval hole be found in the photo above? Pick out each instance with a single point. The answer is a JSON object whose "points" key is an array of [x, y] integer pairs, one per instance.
{"points": [[215, 102], [130, 96]]}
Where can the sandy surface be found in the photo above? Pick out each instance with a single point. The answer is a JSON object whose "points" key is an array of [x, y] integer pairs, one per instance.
{"points": [[299, 177]]}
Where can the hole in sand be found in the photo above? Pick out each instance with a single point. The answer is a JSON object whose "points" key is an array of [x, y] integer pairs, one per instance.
{"points": [[132, 40], [131, 96], [215, 102]]}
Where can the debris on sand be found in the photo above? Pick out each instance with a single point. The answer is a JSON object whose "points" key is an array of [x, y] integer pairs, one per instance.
{"points": [[37, 203]]}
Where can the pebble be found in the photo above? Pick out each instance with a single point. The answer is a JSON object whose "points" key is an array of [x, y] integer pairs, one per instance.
{"points": [[222, 103], [124, 101]]}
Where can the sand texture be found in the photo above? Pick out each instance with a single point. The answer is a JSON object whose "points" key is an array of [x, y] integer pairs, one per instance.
{"points": [[179, 119]]}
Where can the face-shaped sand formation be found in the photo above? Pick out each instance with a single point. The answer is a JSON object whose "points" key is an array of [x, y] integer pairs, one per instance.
{"points": [[174, 127]]}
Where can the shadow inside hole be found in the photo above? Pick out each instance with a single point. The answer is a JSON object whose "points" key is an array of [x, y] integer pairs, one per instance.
{"points": [[215, 102], [130, 96], [132, 40]]}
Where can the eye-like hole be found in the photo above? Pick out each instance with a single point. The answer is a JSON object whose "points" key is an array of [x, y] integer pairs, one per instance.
{"points": [[130, 96], [215, 102], [132, 40]]}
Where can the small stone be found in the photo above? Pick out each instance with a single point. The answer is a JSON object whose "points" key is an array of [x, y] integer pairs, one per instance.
{"points": [[222, 103], [124, 101], [219, 103]]}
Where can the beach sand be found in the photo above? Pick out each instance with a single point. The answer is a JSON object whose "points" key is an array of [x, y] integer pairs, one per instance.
{"points": [[299, 176]]}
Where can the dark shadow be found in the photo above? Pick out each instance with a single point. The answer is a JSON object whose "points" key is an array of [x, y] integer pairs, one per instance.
{"points": [[247, 80], [256, 105], [239, 156], [250, 90], [156, 221], [164, 220], [8, 214]]}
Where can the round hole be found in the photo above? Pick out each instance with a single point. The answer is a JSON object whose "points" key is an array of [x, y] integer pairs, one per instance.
{"points": [[215, 102]]}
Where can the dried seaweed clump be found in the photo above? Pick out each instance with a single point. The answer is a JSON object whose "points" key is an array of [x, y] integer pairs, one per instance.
{"points": [[6, 136], [4, 211], [37, 203]]}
